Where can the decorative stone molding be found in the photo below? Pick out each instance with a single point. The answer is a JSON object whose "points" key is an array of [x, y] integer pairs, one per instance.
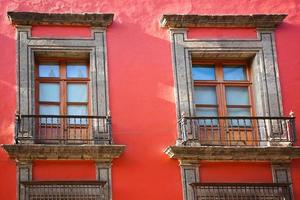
{"points": [[104, 174], [28, 152], [221, 153], [28, 47], [24, 173], [189, 174], [261, 52], [254, 21], [281, 172], [84, 19]]}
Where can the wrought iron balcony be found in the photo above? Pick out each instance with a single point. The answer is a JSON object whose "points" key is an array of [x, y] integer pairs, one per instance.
{"points": [[241, 191], [66, 190], [63, 129], [238, 131]]}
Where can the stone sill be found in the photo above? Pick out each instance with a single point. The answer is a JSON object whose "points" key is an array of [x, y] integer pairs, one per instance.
{"points": [[84, 19], [23, 152], [252, 21], [226, 153]]}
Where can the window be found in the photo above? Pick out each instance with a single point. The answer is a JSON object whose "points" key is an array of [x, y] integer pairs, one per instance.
{"points": [[222, 89], [62, 88], [62, 100]]}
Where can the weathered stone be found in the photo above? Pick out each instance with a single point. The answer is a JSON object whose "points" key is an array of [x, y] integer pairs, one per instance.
{"points": [[33, 18], [63, 152], [189, 174], [221, 153], [255, 21]]}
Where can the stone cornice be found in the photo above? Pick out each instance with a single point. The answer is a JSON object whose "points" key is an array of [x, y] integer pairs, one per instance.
{"points": [[254, 21], [27, 152], [85, 19], [214, 153]]}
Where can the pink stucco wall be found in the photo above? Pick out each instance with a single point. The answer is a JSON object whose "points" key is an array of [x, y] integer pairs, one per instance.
{"points": [[141, 89]]}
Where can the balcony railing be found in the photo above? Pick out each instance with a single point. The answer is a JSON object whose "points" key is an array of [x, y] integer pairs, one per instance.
{"points": [[231, 131], [63, 129], [241, 191], [63, 190]]}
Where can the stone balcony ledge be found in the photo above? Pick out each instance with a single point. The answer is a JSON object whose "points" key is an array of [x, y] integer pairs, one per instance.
{"points": [[27, 152], [237, 153]]}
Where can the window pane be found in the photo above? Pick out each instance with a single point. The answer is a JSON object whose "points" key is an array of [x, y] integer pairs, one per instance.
{"points": [[240, 112], [49, 92], [200, 72], [77, 110], [207, 112], [205, 95], [76, 71], [77, 93], [49, 110], [237, 96], [234, 73], [49, 70]]}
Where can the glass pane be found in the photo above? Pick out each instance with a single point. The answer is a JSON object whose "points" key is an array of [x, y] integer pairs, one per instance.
{"points": [[207, 112], [237, 96], [49, 92], [240, 112], [49, 110], [77, 93], [200, 72], [77, 110], [49, 70], [205, 95], [234, 73], [76, 71]]}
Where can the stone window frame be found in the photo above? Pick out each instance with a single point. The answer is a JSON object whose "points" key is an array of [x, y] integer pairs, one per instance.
{"points": [[264, 66], [260, 51], [95, 47], [27, 46]]}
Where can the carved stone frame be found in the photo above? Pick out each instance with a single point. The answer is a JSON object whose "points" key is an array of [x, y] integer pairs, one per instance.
{"points": [[95, 46], [264, 65]]}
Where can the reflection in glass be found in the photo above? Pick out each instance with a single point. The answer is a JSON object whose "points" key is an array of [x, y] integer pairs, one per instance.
{"points": [[234, 73], [239, 112], [200, 72], [49, 70], [237, 96], [77, 93], [77, 110], [49, 110], [49, 92], [207, 112], [76, 71], [205, 95]]}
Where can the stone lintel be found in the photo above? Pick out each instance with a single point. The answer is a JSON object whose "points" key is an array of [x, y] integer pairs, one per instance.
{"points": [[83, 19], [248, 21], [26, 152], [214, 153]]}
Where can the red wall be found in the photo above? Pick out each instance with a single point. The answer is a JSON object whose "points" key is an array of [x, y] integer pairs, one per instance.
{"points": [[232, 172], [142, 93]]}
